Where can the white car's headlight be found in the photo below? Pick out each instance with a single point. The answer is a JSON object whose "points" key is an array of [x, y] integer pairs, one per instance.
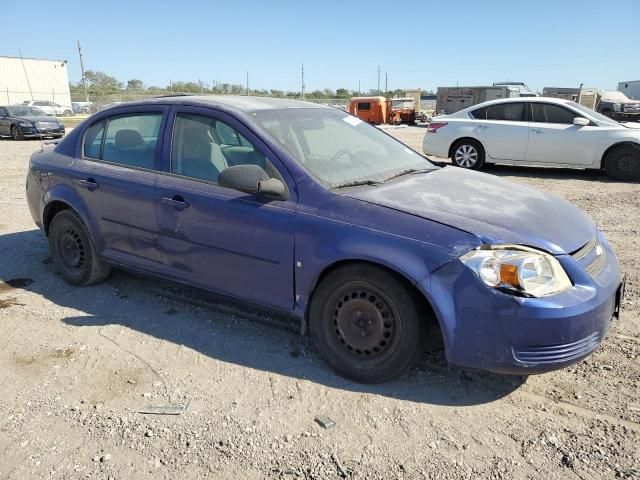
{"points": [[519, 270]]}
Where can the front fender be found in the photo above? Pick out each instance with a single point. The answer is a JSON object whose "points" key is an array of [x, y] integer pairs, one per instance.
{"points": [[321, 243]]}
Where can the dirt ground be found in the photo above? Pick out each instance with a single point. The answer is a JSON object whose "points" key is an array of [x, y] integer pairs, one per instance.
{"points": [[78, 364]]}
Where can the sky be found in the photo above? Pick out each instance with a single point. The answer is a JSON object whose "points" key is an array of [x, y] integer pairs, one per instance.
{"points": [[417, 44]]}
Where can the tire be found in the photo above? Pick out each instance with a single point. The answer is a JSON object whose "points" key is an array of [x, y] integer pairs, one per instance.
{"points": [[16, 134], [67, 113], [72, 250], [623, 163], [365, 324], [467, 154]]}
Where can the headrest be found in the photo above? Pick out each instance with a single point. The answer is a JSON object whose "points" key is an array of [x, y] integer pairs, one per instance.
{"points": [[127, 138]]}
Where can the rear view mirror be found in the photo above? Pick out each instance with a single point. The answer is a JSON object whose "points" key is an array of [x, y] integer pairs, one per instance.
{"points": [[252, 179], [581, 121]]}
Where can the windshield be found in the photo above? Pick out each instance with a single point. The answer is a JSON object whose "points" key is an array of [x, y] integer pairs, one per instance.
{"points": [[598, 116], [25, 112], [402, 103], [337, 148]]}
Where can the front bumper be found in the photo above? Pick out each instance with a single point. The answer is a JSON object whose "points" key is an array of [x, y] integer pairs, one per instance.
{"points": [[33, 132], [490, 330]]}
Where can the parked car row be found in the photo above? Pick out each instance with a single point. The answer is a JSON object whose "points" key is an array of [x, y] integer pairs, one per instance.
{"points": [[309, 211], [536, 131]]}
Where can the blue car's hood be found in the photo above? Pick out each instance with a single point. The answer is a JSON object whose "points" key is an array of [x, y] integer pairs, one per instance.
{"points": [[496, 210]]}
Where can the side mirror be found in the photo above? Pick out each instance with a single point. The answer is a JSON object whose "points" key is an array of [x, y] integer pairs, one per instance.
{"points": [[581, 121], [252, 179]]}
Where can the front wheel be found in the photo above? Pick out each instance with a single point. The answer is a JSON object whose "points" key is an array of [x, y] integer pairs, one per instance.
{"points": [[366, 324], [468, 154], [623, 163], [16, 134], [72, 250], [67, 113]]}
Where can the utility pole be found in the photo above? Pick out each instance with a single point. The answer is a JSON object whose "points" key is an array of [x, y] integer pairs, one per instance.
{"points": [[170, 86], [378, 79], [24, 69], [386, 82], [580, 93], [247, 83], [358, 87], [84, 79], [302, 83]]}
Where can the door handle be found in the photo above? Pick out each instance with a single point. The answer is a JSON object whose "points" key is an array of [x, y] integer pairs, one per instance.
{"points": [[89, 183], [537, 130], [176, 202]]}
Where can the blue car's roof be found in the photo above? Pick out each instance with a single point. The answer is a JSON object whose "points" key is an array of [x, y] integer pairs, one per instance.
{"points": [[243, 103]]}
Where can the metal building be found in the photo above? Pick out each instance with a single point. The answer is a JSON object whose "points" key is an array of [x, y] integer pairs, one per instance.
{"points": [[33, 79], [631, 89]]}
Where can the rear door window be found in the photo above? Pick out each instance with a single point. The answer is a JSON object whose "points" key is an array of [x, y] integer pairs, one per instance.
{"points": [[510, 112], [548, 113], [131, 139], [93, 140]]}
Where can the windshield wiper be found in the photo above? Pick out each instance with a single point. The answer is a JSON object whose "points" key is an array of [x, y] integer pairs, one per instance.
{"points": [[409, 171], [357, 183]]}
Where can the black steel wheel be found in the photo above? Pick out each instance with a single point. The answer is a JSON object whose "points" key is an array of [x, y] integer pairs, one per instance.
{"points": [[365, 323], [623, 163], [72, 250], [16, 134]]}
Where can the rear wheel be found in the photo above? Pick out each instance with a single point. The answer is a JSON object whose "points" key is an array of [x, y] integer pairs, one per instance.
{"points": [[623, 163], [365, 324], [72, 250], [468, 154], [16, 134], [67, 113]]}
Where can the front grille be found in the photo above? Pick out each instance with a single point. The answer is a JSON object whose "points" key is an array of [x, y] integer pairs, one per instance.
{"points": [[592, 257], [557, 353], [47, 125]]}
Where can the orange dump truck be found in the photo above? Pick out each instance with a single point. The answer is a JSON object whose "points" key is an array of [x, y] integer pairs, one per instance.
{"points": [[374, 110]]}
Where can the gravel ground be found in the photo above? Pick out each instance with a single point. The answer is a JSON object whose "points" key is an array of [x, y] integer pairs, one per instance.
{"points": [[77, 366]]}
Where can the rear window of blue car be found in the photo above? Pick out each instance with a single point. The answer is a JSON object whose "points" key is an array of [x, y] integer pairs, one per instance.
{"points": [[129, 139]]}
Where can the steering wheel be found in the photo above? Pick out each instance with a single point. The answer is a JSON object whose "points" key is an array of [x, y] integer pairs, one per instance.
{"points": [[340, 153]]}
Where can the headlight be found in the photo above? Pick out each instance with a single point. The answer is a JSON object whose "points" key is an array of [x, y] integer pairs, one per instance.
{"points": [[518, 270], [26, 124], [617, 107]]}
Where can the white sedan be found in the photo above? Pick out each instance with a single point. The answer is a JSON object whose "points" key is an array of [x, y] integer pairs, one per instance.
{"points": [[50, 108], [536, 132]]}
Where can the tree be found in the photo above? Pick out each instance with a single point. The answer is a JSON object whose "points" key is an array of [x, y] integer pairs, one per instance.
{"points": [[343, 93], [135, 84], [99, 83]]}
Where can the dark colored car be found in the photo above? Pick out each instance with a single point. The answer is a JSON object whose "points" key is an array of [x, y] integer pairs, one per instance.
{"points": [[307, 210], [19, 121], [618, 106]]}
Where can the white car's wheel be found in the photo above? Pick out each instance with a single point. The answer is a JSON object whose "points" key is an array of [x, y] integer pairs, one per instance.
{"points": [[468, 154]]}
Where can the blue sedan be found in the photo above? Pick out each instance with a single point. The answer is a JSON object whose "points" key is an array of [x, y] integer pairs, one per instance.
{"points": [[307, 210]]}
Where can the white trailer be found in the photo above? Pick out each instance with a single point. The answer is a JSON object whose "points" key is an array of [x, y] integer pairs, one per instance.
{"points": [[23, 79], [631, 89]]}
